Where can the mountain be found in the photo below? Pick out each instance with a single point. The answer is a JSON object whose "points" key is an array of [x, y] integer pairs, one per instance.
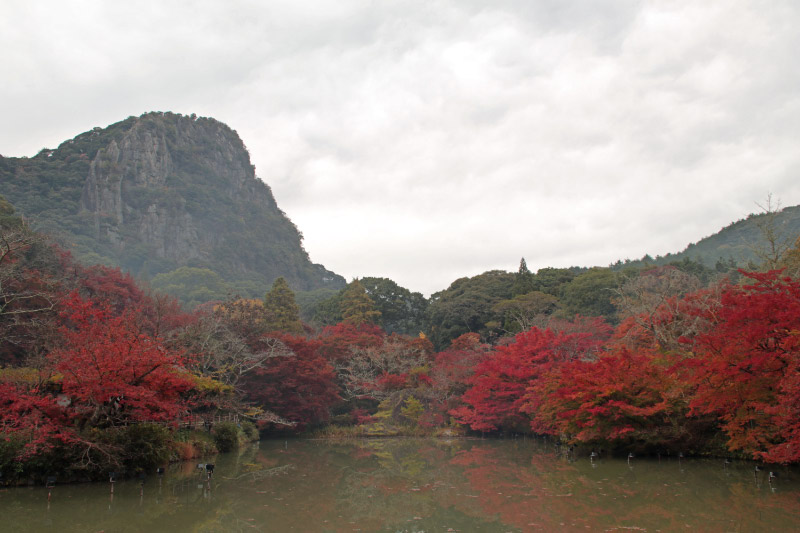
{"points": [[737, 243], [170, 198]]}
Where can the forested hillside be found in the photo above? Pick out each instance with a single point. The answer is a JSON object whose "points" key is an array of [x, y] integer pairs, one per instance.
{"points": [[169, 198], [739, 243]]}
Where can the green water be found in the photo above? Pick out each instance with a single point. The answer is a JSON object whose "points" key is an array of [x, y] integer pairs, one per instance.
{"points": [[419, 486]]}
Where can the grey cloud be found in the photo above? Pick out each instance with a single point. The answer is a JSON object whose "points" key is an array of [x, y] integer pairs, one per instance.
{"points": [[428, 140]]}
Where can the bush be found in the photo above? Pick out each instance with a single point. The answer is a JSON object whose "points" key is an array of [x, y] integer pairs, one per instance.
{"points": [[144, 447], [10, 448], [190, 444], [226, 436], [250, 430]]}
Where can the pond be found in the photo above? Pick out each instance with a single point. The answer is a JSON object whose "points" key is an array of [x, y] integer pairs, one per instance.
{"points": [[418, 485]]}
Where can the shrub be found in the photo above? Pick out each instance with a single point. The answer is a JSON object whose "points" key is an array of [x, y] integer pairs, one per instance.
{"points": [[144, 447], [250, 430], [226, 436], [10, 448]]}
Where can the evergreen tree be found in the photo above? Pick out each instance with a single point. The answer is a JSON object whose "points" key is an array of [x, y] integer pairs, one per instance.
{"points": [[281, 309], [356, 305], [523, 280]]}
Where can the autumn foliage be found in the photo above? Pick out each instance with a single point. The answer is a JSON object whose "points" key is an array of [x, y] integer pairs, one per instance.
{"points": [[89, 354], [112, 371], [719, 359]]}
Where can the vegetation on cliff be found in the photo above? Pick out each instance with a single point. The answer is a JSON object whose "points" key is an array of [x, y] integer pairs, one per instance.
{"points": [[168, 198]]}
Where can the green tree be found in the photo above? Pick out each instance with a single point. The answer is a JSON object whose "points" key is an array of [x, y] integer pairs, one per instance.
{"points": [[356, 306], [412, 410], [526, 310], [552, 280], [281, 309], [591, 294], [523, 281], [467, 307], [402, 311]]}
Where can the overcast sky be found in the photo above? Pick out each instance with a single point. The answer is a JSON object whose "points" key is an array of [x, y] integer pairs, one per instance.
{"points": [[428, 140]]}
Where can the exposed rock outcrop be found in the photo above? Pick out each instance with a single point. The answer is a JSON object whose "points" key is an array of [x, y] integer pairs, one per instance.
{"points": [[163, 191]]}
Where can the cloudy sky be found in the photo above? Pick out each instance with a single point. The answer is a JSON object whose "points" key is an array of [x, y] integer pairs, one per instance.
{"points": [[428, 140]]}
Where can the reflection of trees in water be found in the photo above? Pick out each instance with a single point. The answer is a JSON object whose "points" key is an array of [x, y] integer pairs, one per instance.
{"points": [[551, 493], [397, 484]]}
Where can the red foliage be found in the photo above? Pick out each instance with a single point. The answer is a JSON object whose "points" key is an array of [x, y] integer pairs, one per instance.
{"points": [[113, 288], [362, 416], [33, 417], [745, 366], [501, 380], [118, 291], [336, 341], [391, 382], [453, 367], [586, 334], [298, 388], [112, 371], [622, 395]]}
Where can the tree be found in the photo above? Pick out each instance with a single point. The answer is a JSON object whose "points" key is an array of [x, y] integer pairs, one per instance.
{"points": [[378, 371], [620, 398], [466, 307], [32, 418], [216, 350], [31, 278], [774, 240], [112, 371], [299, 388], [497, 391], [552, 280], [402, 311], [281, 308], [356, 306], [523, 281], [654, 301], [744, 366], [337, 342], [452, 370], [526, 310], [192, 286], [790, 261], [591, 294]]}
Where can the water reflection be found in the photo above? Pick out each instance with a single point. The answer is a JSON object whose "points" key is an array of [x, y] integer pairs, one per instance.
{"points": [[420, 486]]}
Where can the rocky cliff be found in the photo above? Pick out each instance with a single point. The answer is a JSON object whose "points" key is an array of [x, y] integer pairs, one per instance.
{"points": [[159, 192]]}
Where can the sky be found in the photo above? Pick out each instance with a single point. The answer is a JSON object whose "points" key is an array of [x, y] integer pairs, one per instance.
{"points": [[430, 140]]}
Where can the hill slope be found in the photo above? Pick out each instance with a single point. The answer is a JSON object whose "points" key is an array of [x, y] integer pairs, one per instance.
{"points": [[736, 243], [162, 191]]}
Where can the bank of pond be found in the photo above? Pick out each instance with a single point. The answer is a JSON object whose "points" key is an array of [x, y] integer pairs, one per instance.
{"points": [[410, 484], [126, 451]]}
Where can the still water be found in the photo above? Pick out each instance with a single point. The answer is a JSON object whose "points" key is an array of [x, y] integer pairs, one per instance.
{"points": [[419, 486]]}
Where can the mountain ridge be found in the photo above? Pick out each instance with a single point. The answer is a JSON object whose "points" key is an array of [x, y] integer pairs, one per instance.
{"points": [[162, 192]]}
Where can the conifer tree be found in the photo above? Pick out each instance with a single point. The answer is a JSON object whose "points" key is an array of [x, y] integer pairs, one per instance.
{"points": [[356, 306], [523, 280], [281, 309]]}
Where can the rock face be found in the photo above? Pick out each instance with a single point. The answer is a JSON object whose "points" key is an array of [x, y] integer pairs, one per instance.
{"points": [[163, 191]]}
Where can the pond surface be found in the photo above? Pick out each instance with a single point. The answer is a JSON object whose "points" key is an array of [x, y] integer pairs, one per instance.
{"points": [[419, 486]]}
